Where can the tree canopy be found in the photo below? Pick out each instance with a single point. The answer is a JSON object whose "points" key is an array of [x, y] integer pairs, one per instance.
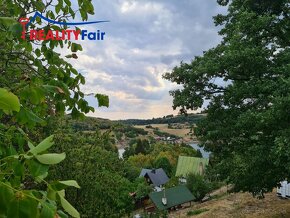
{"points": [[36, 83], [243, 86]]}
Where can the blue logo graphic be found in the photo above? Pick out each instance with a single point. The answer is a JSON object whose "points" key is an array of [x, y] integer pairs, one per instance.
{"points": [[37, 14], [66, 34]]}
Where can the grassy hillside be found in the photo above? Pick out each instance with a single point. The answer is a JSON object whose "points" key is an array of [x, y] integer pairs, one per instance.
{"points": [[238, 205], [184, 132]]}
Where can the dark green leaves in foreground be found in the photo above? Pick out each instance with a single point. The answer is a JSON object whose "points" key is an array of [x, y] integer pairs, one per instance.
{"points": [[15, 202], [8, 101], [103, 100], [36, 82]]}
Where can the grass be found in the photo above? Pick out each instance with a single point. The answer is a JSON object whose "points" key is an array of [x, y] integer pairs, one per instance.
{"points": [[238, 205], [164, 128], [196, 212]]}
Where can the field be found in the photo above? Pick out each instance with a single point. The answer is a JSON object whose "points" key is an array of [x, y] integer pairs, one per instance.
{"points": [[184, 132], [240, 205]]}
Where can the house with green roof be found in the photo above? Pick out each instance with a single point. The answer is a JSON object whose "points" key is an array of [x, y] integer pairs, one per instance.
{"points": [[170, 198], [188, 165]]}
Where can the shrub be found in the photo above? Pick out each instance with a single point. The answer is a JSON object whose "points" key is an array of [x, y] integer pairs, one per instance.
{"points": [[196, 212], [198, 186], [163, 163]]}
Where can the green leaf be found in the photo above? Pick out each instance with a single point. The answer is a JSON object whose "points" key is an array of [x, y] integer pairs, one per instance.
{"points": [[48, 210], [40, 178], [84, 14], [43, 146], [103, 100], [57, 8], [7, 21], [30, 145], [33, 118], [8, 101], [69, 56], [61, 214], [22, 206], [37, 52], [67, 2], [36, 168], [40, 6], [72, 183], [51, 194], [68, 207], [75, 47], [36, 95], [89, 7], [60, 185], [6, 195], [50, 158], [25, 116], [18, 168], [16, 29]]}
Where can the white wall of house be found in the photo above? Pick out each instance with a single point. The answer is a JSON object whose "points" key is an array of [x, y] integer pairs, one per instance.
{"points": [[158, 189]]}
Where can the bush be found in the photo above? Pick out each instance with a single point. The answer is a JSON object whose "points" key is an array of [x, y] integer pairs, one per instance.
{"points": [[142, 188], [198, 186], [196, 212], [163, 163]]}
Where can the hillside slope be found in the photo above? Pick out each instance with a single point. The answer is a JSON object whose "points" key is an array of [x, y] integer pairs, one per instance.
{"points": [[240, 205]]}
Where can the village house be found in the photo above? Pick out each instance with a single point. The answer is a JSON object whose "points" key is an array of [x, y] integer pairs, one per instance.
{"points": [[174, 198], [156, 177]]}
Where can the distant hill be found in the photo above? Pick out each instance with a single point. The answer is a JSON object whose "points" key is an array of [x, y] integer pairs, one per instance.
{"points": [[169, 119]]}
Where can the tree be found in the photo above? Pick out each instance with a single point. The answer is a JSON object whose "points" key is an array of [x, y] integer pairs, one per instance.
{"points": [[198, 186], [246, 81], [142, 146], [142, 189], [100, 174], [163, 163], [36, 83]]}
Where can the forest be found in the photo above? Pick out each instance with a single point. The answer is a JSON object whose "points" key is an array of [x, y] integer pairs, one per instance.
{"points": [[168, 119]]}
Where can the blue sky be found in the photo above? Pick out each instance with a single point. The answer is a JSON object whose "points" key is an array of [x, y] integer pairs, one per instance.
{"points": [[144, 39]]}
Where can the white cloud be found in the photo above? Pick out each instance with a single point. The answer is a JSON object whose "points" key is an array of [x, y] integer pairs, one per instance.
{"points": [[144, 40]]}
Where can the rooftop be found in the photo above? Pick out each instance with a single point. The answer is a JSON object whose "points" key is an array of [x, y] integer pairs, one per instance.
{"points": [[157, 176], [175, 196], [187, 165]]}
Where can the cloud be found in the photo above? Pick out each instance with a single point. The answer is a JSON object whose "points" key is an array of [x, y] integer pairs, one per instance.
{"points": [[144, 39]]}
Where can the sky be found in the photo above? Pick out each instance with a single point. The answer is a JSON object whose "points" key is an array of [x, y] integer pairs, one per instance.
{"points": [[144, 39]]}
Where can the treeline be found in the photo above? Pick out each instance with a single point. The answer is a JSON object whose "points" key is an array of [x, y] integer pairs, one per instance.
{"points": [[189, 118], [93, 124]]}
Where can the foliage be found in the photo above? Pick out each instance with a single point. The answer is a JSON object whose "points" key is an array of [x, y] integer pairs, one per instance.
{"points": [[141, 161], [196, 212], [161, 151], [245, 80], [198, 153], [164, 134], [23, 172], [142, 146], [131, 172], [163, 163], [98, 170], [137, 146], [143, 189], [169, 119], [157, 214], [198, 186], [174, 181], [35, 83]]}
